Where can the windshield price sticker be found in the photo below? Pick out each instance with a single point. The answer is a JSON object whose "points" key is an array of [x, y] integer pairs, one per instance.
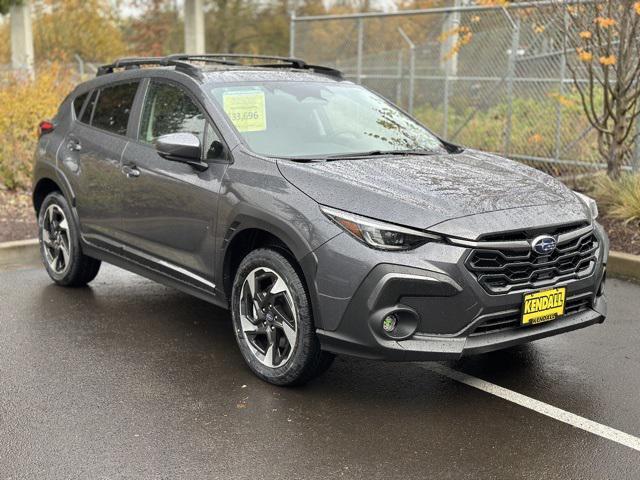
{"points": [[246, 110]]}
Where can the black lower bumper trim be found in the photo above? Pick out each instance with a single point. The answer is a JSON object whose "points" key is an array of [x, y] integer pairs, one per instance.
{"points": [[431, 347]]}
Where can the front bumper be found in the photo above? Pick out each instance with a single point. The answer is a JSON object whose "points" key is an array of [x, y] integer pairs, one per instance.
{"points": [[431, 347], [449, 303]]}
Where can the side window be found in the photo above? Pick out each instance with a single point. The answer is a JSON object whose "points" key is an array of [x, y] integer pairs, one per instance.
{"points": [[113, 108], [169, 109], [86, 115], [78, 102]]}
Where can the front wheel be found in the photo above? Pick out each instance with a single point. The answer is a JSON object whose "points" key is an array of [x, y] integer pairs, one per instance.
{"points": [[273, 320]]}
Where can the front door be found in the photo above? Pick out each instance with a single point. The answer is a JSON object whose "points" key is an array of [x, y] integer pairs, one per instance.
{"points": [[169, 208]]}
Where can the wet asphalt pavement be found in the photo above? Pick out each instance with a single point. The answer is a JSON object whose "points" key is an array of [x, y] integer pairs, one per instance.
{"points": [[130, 379]]}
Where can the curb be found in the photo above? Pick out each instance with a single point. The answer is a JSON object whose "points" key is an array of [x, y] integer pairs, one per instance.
{"points": [[27, 252], [624, 265], [22, 252]]}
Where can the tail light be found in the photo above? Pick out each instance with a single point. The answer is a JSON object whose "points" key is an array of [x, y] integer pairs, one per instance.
{"points": [[45, 126]]}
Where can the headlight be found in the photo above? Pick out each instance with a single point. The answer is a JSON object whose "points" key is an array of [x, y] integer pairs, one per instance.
{"points": [[383, 236], [590, 203]]}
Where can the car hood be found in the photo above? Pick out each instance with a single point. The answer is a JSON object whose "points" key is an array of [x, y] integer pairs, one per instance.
{"points": [[429, 192]]}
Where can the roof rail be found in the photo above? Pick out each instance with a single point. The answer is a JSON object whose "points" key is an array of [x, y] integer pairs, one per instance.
{"points": [[206, 58], [181, 62], [294, 62], [131, 63]]}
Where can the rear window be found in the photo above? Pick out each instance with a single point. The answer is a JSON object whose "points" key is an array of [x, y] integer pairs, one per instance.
{"points": [[113, 108], [78, 103]]}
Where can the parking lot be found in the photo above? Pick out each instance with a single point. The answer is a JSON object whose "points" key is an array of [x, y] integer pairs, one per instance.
{"points": [[131, 379]]}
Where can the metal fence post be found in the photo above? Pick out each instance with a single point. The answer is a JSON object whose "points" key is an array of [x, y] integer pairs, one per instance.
{"points": [[445, 106], [80, 65], [412, 67], [563, 73], [292, 34], [400, 79], [412, 75], [360, 45], [450, 26], [515, 44]]}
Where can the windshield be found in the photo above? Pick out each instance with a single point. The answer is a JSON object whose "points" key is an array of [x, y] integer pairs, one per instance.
{"points": [[302, 119]]}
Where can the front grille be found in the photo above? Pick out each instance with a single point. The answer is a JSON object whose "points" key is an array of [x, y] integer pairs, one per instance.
{"points": [[531, 233], [508, 270], [510, 320]]}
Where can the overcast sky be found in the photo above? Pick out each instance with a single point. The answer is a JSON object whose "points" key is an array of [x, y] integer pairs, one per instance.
{"points": [[127, 10]]}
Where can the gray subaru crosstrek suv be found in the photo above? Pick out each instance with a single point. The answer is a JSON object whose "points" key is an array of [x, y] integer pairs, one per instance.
{"points": [[325, 218]]}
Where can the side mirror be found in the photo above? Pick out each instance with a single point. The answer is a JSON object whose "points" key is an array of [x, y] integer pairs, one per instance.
{"points": [[181, 147]]}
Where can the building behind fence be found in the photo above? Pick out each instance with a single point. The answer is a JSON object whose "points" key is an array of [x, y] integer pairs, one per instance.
{"points": [[493, 78]]}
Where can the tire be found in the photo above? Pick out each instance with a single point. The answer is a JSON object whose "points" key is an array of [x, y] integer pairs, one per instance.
{"points": [[60, 244], [280, 306]]}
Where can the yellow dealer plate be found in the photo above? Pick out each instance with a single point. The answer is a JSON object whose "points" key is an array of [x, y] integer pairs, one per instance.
{"points": [[543, 306]]}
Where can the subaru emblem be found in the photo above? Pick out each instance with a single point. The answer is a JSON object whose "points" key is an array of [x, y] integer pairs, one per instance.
{"points": [[543, 245]]}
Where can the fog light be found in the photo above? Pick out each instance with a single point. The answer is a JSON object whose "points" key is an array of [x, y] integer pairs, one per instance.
{"points": [[389, 323]]}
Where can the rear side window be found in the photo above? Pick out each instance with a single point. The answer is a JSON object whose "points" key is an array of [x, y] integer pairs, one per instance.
{"points": [[78, 103], [113, 108]]}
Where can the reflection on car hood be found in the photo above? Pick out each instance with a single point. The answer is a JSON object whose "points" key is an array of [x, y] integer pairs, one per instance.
{"points": [[424, 191]]}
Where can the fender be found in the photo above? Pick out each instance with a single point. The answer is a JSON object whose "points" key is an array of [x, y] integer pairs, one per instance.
{"points": [[46, 171], [251, 217]]}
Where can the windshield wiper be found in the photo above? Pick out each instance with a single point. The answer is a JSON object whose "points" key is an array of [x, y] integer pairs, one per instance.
{"points": [[378, 153]]}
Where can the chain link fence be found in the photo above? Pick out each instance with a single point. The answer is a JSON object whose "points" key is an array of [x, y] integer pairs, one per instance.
{"points": [[493, 78], [80, 70]]}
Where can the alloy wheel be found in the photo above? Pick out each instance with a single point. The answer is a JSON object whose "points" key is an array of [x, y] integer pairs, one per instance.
{"points": [[56, 239], [268, 317]]}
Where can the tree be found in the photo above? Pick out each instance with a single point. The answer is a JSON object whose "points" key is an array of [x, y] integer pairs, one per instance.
{"points": [[157, 31], [64, 28], [248, 26], [605, 37], [5, 5], [87, 28]]}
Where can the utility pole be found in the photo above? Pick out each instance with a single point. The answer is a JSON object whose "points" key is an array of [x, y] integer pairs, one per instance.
{"points": [[194, 26], [21, 38]]}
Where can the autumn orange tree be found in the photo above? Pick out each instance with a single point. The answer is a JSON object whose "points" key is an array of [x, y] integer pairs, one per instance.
{"points": [[158, 29], [605, 36], [64, 28]]}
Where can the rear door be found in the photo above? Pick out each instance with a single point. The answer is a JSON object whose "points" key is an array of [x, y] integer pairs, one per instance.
{"points": [[168, 208], [94, 148]]}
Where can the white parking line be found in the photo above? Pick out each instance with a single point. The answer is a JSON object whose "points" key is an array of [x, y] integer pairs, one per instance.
{"points": [[538, 406]]}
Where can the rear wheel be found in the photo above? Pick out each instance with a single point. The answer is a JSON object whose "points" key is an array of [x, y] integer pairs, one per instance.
{"points": [[273, 320], [60, 244]]}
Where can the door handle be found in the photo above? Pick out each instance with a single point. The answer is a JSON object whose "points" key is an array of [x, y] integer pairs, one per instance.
{"points": [[131, 171], [74, 145]]}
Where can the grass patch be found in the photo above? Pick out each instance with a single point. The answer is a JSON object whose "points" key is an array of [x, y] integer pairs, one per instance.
{"points": [[620, 199]]}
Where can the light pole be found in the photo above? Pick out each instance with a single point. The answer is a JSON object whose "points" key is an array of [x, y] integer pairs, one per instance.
{"points": [[194, 26], [21, 37]]}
